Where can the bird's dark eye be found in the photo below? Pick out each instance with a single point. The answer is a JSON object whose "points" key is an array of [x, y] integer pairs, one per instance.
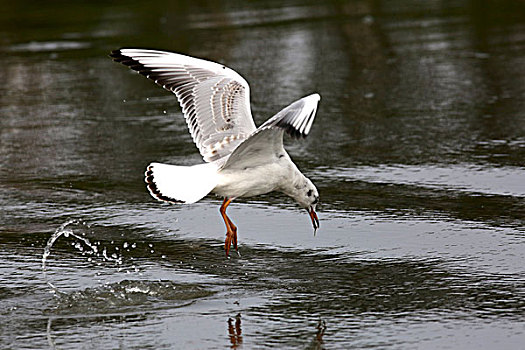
{"points": [[309, 193]]}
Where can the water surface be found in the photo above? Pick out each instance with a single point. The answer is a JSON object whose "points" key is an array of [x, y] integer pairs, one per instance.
{"points": [[417, 150]]}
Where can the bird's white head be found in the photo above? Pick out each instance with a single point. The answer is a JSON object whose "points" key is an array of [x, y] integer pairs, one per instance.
{"points": [[306, 195]]}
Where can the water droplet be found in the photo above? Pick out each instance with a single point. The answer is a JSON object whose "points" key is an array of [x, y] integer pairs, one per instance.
{"points": [[125, 245], [368, 19], [164, 112]]}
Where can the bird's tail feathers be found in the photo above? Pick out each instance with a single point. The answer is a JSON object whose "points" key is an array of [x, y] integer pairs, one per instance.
{"points": [[180, 184]]}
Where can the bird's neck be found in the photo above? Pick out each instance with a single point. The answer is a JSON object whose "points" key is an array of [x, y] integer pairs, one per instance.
{"points": [[296, 182]]}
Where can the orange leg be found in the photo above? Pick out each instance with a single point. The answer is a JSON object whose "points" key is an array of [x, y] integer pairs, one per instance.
{"points": [[234, 229], [231, 229]]}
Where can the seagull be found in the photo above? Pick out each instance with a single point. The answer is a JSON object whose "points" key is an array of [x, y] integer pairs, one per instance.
{"points": [[241, 160]]}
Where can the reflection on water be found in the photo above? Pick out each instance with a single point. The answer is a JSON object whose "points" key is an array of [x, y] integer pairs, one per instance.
{"points": [[235, 331], [417, 150]]}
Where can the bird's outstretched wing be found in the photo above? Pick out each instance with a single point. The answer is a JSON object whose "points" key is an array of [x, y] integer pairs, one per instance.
{"points": [[215, 100], [266, 143]]}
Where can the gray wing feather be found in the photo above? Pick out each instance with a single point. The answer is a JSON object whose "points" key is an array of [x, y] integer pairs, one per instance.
{"points": [[266, 143], [214, 99]]}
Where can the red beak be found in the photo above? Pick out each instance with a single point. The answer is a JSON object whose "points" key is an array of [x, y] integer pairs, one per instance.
{"points": [[315, 219]]}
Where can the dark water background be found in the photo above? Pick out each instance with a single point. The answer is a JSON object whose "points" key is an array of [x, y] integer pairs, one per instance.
{"points": [[418, 151]]}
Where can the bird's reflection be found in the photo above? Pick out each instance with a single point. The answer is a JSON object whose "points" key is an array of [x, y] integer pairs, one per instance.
{"points": [[235, 331], [321, 328], [317, 343]]}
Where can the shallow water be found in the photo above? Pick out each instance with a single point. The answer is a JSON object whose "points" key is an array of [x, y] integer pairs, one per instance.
{"points": [[418, 152]]}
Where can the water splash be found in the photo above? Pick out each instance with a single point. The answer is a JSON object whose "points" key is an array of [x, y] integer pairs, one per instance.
{"points": [[78, 231], [50, 340], [65, 231]]}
